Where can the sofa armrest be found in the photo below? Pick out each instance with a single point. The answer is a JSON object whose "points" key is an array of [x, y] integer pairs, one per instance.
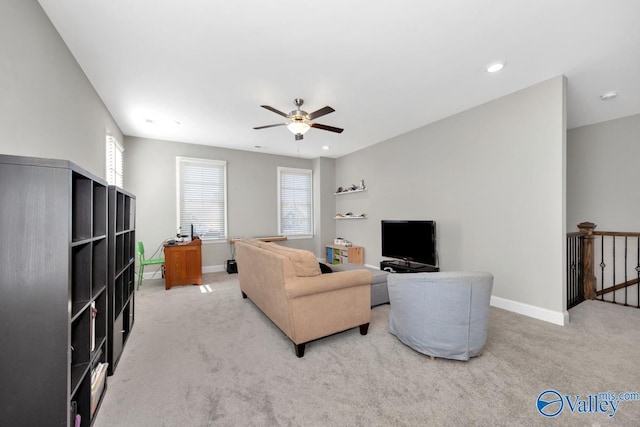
{"points": [[302, 286]]}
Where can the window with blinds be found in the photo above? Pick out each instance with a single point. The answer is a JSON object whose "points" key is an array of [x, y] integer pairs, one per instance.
{"points": [[115, 162], [202, 197], [295, 207]]}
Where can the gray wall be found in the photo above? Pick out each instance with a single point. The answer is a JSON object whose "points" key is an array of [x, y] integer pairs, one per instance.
{"points": [[602, 175], [48, 107], [324, 171], [492, 177], [150, 174]]}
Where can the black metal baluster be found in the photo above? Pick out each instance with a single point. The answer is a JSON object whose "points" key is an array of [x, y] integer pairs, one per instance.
{"points": [[613, 239], [626, 265], [602, 266], [575, 285]]}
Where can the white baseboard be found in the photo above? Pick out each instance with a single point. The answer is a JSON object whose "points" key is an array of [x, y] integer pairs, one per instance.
{"points": [[213, 268], [205, 269], [156, 274], [555, 317]]}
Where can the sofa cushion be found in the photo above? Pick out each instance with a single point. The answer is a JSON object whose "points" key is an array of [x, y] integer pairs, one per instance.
{"points": [[304, 262], [379, 276]]}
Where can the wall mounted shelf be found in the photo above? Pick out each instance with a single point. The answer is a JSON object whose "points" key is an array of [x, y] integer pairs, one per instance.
{"points": [[349, 192]]}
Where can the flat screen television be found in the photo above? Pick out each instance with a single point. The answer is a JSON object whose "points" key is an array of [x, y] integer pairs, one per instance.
{"points": [[410, 240]]}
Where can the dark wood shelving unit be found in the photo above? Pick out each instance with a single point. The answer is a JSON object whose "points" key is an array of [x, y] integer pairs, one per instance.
{"points": [[53, 291], [121, 272]]}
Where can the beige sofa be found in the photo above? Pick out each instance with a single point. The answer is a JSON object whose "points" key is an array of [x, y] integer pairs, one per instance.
{"points": [[287, 285]]}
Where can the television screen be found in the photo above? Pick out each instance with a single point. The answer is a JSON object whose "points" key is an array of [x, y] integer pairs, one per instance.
{"points": [[409, 240]]}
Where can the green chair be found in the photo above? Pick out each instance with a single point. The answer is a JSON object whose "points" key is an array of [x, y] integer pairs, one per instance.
{"points": [[143, 261]]}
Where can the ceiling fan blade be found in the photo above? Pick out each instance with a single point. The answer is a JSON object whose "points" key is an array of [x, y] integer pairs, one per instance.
{"points": [[275, 111], [321, 112], [270, 126], [325, 127]]}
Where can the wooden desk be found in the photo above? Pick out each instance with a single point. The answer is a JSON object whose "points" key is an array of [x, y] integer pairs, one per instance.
{"points": [[183, 264]]}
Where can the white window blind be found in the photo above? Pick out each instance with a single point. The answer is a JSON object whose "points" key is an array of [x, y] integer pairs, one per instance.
{"points": [[115, 162], [202, 197], [295, 207]]}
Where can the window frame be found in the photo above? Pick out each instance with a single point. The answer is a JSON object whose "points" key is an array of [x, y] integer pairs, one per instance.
{"points": [[117, 171], [280, 172], [214, 164]]}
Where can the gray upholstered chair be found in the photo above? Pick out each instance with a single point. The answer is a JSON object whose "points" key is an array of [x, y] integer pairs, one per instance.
{"points": [[441, 314]]}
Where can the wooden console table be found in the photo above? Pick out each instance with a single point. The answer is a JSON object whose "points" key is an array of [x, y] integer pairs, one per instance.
{"points": [[263, 239], [183, 264]]}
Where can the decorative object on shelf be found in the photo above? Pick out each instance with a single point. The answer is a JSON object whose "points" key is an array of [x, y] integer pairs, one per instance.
{"points": [[342, 242], [350, 215], [353, 188]]}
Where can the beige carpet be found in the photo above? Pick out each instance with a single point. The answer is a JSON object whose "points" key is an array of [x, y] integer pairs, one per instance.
{"points": [[203, 356]]}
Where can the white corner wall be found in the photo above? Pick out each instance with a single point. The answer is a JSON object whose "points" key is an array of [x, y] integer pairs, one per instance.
{"points": [[493, 178], [602, 175], [48, 107]]}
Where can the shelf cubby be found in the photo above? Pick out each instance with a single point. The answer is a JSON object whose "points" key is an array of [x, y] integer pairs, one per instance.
{"points": [[99, 210], [99, 267], [119, 212], [81, 217], [81, 276]]}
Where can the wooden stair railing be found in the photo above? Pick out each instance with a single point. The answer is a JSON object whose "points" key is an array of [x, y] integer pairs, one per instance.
{"points": [[586, 228], [589, 235]]}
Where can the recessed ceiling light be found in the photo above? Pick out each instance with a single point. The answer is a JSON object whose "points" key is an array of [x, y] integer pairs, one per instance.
{"points": [[495, 67], [609, 95], [326, 147]]}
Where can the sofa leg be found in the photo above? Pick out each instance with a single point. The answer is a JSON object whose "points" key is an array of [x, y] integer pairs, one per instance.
{"points": [[244, 295], [364, 329], [299, 349]]}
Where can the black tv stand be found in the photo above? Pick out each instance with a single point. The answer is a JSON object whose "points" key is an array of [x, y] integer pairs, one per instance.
{"points": [[407, 267]]}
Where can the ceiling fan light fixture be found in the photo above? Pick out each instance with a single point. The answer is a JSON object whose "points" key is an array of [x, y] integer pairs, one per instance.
{"points": [[298, 127]]}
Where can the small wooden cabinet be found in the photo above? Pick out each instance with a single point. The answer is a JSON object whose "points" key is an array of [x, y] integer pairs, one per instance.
{"points": [[339, 254], [183, 264]]}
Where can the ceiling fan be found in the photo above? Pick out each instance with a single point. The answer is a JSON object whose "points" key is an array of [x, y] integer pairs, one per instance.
{"points": [[300, 121]]}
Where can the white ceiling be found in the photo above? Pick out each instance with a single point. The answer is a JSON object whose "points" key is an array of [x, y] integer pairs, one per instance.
{"points": [[386, 67]]}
